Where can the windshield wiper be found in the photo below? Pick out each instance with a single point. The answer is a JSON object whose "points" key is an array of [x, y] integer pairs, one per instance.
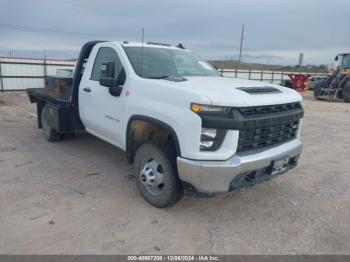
{"points": [[170, 78]]}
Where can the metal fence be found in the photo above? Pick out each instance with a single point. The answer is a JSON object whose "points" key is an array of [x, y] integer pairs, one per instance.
{"points": [[22, 73], [262, 75]]}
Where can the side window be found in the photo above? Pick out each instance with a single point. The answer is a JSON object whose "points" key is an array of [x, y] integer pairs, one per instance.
{"points": [[106, 54]]}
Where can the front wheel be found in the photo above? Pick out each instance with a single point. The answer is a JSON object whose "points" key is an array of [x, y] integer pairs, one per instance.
{"points": [[346, 92], [317, 90], [156, 175]]}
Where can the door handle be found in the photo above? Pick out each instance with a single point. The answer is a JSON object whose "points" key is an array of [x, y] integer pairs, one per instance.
{"points": [[87, 89]]}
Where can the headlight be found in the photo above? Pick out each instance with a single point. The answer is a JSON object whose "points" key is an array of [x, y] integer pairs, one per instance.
{"points": [[209, 109], [211, 139]]}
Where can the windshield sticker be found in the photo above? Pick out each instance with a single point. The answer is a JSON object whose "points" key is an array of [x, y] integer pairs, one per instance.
{"points": [[205, 65]]}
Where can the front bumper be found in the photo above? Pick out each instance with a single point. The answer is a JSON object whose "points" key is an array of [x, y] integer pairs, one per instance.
{"points": [[242, 169]]}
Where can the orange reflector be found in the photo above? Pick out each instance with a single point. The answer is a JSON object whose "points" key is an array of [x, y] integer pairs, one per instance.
{"points": [[196, 108]]}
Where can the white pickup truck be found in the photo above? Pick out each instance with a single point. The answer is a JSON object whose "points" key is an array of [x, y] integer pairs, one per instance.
{"points": [[183, 126]]}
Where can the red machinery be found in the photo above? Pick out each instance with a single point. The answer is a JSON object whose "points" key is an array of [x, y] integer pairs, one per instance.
{"points": [[299, 81]]}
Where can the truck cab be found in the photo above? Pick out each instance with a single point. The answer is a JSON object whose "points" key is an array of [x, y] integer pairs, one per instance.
{"points": [[183, 126], [343, 60]]}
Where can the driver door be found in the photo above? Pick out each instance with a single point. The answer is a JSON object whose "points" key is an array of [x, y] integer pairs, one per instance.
{"points": [[100, 111]]}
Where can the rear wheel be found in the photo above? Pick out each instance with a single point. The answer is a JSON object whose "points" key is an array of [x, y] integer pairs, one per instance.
{"points": [[50, 134], [156, 175]]}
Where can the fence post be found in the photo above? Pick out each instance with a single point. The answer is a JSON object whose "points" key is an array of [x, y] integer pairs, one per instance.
{"points": [[45, 72], [272, 75], [1, 81], [45, 67], [261, 75], [249, 75], [282, 77]]}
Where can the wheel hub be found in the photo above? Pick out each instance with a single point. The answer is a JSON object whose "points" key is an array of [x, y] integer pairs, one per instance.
{"points": [[151, 176]]}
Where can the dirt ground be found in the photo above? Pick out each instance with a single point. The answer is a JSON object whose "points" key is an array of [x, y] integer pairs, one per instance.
{"points": [[74, 197]]}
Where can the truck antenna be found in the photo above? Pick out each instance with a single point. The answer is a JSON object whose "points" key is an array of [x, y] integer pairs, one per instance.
{"points": [[141, 63]]}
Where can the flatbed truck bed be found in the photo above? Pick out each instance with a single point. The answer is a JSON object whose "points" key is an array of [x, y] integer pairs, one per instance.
{"points": [[62, 115]]}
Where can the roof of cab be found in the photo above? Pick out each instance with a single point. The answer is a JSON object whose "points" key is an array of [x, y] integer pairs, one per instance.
{"points": [[147, 44]]}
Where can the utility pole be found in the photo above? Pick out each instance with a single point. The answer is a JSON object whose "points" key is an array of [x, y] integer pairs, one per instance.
{"points": [[240, 48]]}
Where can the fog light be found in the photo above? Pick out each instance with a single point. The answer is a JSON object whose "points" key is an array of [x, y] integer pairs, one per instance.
{"points": [[209, 139], [205, 145], [209, 133]]}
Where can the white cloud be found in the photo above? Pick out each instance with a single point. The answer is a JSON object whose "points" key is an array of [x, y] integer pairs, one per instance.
{"points": [[212, 28]]}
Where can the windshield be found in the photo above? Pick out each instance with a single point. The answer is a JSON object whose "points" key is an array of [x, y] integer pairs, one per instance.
{"points": [[164, 62]]}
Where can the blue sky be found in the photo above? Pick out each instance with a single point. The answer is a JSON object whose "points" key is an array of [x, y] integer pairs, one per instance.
{"points": [[276, 30]]}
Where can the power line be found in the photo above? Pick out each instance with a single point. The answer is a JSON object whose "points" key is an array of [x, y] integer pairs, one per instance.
{"points": [[43, 30]]}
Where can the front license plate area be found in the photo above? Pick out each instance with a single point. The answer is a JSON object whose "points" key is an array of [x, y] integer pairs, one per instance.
{"points": [[278, 166]]}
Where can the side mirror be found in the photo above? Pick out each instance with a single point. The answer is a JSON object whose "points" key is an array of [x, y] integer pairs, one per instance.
{"points": [[115, 85], [116, 90]]}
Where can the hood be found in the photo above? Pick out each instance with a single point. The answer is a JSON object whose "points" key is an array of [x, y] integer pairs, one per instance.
{"points": [[226, 91]]}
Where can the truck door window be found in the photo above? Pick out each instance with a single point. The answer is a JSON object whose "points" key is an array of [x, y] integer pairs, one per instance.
{"points": [[106, 54]]}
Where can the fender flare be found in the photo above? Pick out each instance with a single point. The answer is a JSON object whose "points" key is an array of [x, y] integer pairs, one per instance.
{"points": [[156, 122]]}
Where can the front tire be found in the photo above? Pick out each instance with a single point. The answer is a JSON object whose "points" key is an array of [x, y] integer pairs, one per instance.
{"points": [[156, 175], [50, 134], [346, 92], [317, 89]]}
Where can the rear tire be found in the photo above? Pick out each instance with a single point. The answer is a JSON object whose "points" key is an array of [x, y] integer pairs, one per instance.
{"points": [[50, 134], [156, 175]]}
